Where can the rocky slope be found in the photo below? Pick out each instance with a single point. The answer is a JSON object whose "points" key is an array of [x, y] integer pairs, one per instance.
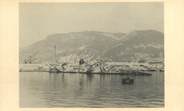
{"points": [[137, 45]]}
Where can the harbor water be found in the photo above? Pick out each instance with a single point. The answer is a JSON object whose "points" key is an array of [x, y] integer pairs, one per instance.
{"points": [[41, 89]]}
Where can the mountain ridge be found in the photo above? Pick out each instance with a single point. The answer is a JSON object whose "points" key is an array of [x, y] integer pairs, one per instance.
{"points": [[96, 44]]}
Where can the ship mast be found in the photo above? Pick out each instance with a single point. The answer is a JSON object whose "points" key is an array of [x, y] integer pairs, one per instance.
{"points": [[55, 60]]}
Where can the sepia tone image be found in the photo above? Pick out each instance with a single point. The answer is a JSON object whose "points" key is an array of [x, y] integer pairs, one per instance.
{"points": [[94, 55]]}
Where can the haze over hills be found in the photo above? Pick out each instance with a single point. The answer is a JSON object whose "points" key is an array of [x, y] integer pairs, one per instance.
{"points": [[139, 45], [136, 45]]}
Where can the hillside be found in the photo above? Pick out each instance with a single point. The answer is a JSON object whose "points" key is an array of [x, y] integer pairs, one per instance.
{"points": [[145, 45], [92, 44]]}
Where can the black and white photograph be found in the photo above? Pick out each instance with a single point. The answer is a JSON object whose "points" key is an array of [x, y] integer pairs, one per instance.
{"points": [[91, 55]]}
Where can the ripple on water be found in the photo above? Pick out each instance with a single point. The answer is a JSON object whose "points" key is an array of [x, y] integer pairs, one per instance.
{"points": [[79, 90]]}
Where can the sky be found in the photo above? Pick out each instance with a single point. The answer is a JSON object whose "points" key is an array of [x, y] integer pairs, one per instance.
{"points": [[38, 20]]}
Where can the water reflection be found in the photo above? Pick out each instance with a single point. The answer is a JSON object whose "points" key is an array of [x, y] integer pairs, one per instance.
{"points": [[82, 90], [81, 82], [89, 78]]}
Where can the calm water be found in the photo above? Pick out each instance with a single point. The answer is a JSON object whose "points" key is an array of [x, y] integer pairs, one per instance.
{"points": [[80, 90]]}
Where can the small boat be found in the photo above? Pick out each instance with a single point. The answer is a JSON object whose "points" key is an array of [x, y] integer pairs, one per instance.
{"points": [[127, 80]]}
